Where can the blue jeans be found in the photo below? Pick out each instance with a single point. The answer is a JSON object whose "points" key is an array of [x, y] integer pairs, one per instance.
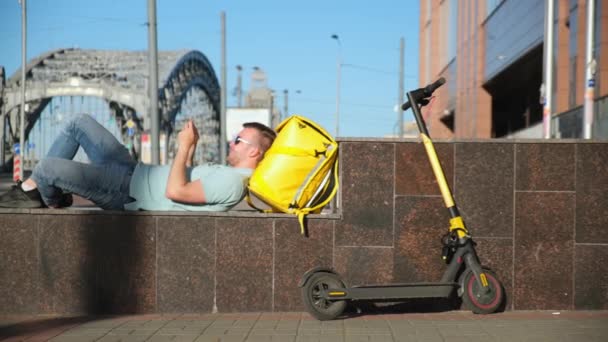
{"points": [[105, 181]]}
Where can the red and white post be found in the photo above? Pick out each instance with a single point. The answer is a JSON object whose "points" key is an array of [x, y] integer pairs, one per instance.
{"points": [[17, 163]]}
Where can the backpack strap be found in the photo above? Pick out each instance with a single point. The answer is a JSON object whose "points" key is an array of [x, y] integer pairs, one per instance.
{"points": [[333, 190], [299, 152], [301, 216], [301, 213]]}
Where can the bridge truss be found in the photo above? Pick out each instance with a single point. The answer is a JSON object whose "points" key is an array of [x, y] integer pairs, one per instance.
{"points": [[188, 88]]}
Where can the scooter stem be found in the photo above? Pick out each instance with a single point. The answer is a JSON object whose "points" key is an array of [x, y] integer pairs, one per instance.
{"points": [[456, 222]]}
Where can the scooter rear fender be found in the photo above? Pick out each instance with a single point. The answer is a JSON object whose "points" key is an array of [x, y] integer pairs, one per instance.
{"points": [[312, 271]]}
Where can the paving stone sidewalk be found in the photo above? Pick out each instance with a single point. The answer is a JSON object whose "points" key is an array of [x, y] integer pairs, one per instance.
{"points": [[301, 327]]}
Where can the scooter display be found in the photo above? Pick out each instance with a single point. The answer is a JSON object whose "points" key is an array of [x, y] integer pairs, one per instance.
{"points": [[325, 295]]}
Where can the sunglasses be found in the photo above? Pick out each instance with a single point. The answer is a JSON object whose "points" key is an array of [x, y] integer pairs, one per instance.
{"points": [[238, 139]]}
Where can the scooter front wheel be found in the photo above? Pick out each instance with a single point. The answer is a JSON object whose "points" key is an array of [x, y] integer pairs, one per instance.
{"points": [[478, 300], [322, 308]]}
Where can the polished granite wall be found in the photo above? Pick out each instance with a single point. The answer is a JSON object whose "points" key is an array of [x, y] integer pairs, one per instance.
{"points": [[538, 211]]}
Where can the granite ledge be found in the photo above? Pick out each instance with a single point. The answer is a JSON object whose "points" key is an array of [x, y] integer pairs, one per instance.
{"points": [[233, 213], [464, 140]]}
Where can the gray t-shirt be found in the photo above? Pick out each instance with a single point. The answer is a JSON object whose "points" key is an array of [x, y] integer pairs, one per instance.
{"points": [[224, 187]]}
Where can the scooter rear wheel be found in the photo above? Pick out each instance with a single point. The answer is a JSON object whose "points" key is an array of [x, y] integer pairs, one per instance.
{"points": [[321, 308], [474, 297]]}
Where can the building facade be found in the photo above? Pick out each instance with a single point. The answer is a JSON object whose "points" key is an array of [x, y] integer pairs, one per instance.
{"points": [[491, 54]]}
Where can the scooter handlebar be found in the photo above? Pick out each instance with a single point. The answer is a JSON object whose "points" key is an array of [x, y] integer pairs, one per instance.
{"points": [[430, 89], [425, 92]]}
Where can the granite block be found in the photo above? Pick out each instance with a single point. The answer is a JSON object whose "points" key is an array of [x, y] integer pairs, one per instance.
{"points": [[367, 194], [484, 187], [497, 254], [591, 218], [591, 166], [591, 193], [125, 255], [544, 251], [590, 277], [67, 277], [420, 222], [186, 264], [544, 167], [295, 254], [18, 264], [364, 265], [413, 172], [244, 264]]}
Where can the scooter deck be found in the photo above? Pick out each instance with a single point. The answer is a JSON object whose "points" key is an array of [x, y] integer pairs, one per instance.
{"points": [[394, 291]]}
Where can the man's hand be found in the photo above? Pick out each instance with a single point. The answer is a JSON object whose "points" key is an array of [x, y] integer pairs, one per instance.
{"points": [[179, 189], [188, 136]]}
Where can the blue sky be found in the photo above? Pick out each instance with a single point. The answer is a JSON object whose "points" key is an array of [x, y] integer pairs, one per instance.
{"points": [[290, 40]]}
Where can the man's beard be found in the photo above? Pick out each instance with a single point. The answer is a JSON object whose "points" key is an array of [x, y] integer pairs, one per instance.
{"points": [[230, 159]]}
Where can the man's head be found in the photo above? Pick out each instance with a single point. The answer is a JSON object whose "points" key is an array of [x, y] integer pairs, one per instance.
{"points": [[248, 147]]}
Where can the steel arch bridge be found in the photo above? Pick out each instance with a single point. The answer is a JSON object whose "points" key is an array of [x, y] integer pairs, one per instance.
{"points": [[186, 82]]}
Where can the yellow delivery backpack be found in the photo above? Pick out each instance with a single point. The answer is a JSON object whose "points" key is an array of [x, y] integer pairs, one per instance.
{"points": [[299, 173]]}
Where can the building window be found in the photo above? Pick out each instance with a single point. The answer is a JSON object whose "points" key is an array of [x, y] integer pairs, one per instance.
{"points": [[572, 86]]}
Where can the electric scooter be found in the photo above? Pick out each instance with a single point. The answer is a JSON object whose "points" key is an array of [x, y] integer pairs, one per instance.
{"points": [[325, 295]]}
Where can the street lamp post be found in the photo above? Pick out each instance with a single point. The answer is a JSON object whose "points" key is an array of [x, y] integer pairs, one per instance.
{"points": [[589, 72], [339, 72], [153, 83], [223, 88], [547, 87], [23, 66], [399, 109], [286, 101], [286, 108], [274, 119], [239, 86]]}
